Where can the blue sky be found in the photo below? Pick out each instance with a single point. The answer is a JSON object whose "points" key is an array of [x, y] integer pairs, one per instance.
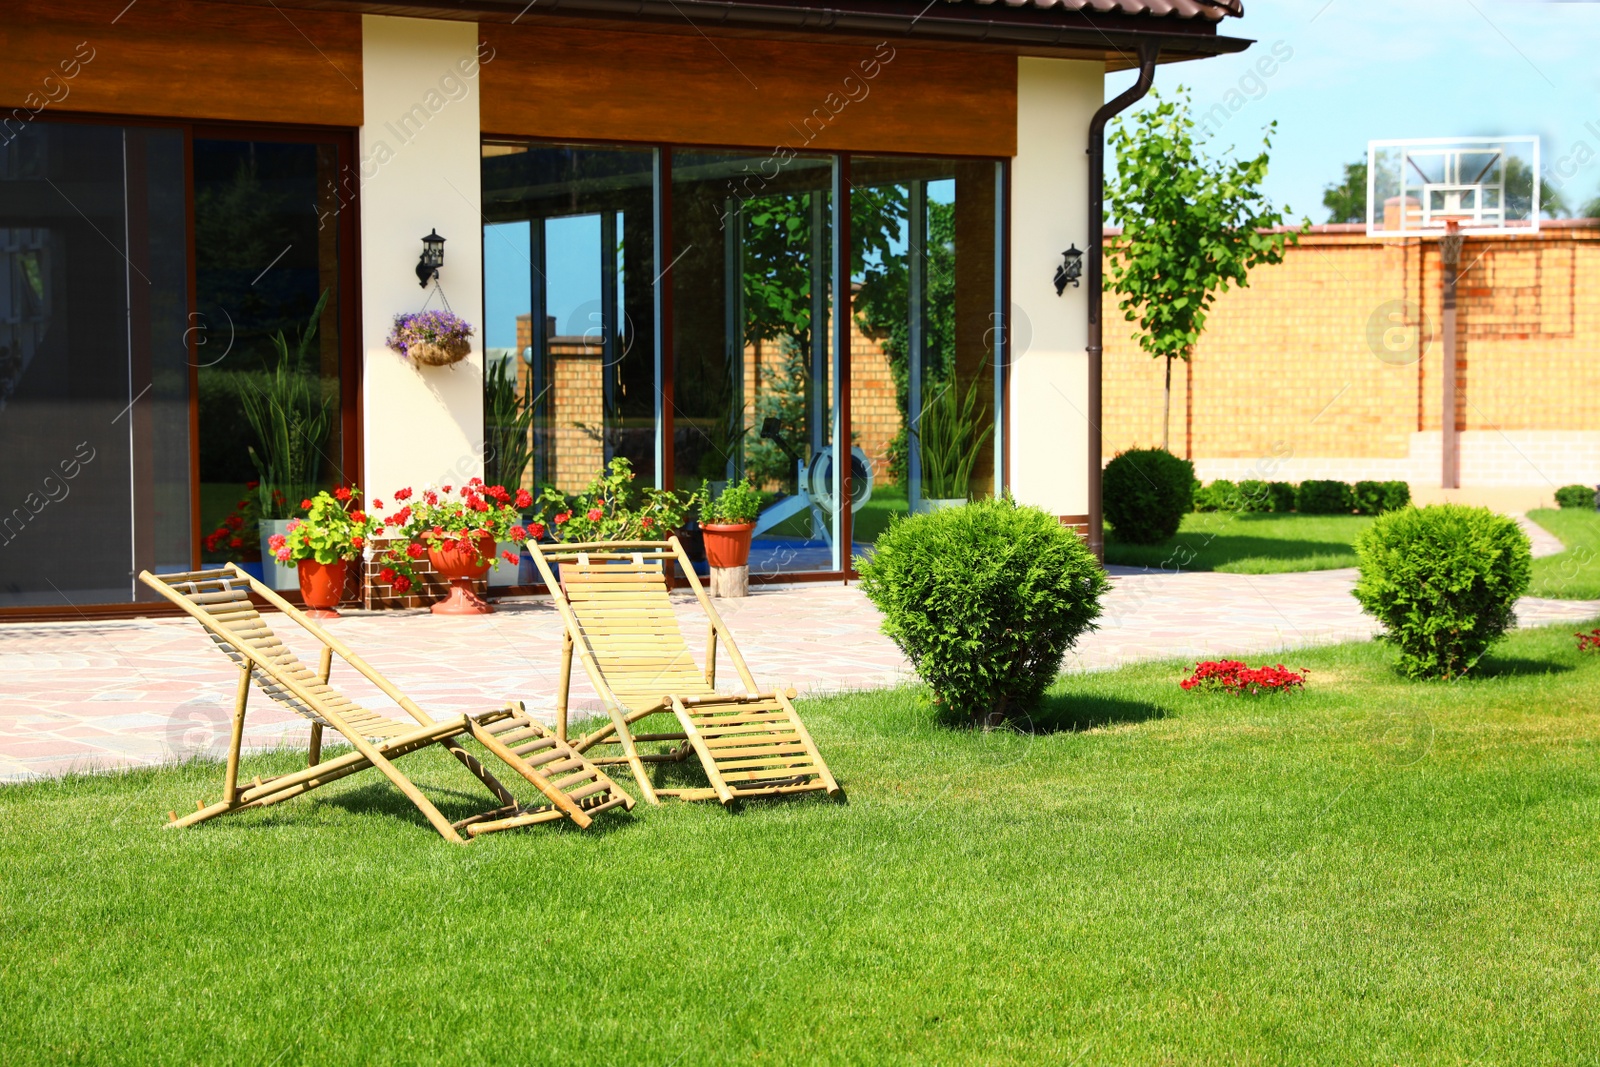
{"points": [[1364, 69]]}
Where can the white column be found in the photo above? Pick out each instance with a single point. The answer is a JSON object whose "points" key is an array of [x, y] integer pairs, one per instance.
{"points": [[1049, 207], [419, 170]]}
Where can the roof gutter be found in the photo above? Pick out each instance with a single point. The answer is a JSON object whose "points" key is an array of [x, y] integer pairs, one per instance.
{"points": [[1149, 50]]}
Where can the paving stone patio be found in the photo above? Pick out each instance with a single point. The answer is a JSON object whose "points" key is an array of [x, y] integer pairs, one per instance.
{"points": [[100, 695]]}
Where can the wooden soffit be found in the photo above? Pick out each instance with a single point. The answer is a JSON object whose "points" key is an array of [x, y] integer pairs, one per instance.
{"points": [[602, 84], [183, 59]]}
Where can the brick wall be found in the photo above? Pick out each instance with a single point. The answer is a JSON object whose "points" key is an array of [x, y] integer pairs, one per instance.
{"points": [[1330, 363]]}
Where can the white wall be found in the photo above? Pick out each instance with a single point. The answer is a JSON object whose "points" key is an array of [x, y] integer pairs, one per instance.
{"points": [[1049, 211], [419, 170]]}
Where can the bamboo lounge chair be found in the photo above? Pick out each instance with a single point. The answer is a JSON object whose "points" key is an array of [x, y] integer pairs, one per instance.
{"points": [[571, 787], [613, 600]]}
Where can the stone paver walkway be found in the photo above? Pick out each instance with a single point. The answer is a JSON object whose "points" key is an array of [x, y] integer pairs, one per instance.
{"points": [[98, 695]]}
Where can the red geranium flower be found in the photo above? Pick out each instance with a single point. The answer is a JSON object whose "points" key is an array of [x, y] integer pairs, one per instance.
{"points": [[446, 488], [252, 485], [595, 514], [524, 498], [402, 494], [518, 533], [415, 550], [388, 575], [535, 531], [305, 505], [341, 494], [275, 542], [236, 542], [401, 584], [509, 557], [358, 516], [647, 522], [377, 505], [562, 516], [429, 495], [357, 542]]}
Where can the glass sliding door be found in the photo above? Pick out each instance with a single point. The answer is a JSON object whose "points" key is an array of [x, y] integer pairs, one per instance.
{"points": [[570, 323], [94, 382], [755, 366], [269, 352], [925, 369]]}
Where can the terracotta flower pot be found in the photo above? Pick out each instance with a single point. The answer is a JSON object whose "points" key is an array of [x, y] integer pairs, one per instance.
{"points": [[460, 568], [728, 545], [322, 586]]}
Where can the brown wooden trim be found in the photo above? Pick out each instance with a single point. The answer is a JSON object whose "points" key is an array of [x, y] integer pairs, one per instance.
{"points": [[668, 475], [1003, 402], [186, 58], [192, 347], [843, 319], [592, 85]]}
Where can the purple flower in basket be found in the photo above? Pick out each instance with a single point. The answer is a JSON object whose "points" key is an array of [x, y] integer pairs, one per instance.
{"points": [[437, 328]]}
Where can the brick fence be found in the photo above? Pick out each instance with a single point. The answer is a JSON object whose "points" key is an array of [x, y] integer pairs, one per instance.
{"points": [[1328, 365]]}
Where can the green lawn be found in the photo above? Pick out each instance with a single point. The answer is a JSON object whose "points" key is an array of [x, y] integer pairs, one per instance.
{"points": [[1248, 544], [1372, 872], [1575, 573]]}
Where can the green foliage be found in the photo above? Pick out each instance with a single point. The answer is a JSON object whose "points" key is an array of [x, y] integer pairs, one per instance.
{"points": [[225, 434], [507, 426], [1322, 497], [738, 503], [1283, 496], [951, 436], [332, 530], [1347, 200], [1191, 226], [984, 600], [1375, 498], [291, 416], [1574, 573], [1255, 496], [1235, 542], [1443, 580], [1145, 493], [1575, 496], [611, 509], [1220, 495]]}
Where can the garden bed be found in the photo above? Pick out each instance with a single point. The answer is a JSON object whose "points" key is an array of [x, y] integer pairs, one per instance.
{"points": [[1370, 870]]}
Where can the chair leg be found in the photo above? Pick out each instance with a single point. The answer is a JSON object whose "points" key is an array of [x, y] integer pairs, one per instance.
{"points": [[631, 752], [314, 757], [564, 687], [230, 783], [479, 771]]}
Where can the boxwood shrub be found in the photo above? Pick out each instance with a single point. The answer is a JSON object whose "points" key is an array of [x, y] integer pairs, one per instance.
{"points": [[1220, 495], [1375, 498], [984, 600], [1145, 492], [1575, 496], [1443, 581], [1325, 498], [1283, 494], [1255, 496]]}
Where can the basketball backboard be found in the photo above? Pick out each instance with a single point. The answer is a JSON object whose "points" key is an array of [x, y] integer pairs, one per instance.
{"points": [[1486, 185]]}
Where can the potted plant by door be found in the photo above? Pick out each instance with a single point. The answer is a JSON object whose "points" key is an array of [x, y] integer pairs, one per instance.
{"points": [[321, 547], [456, 529], [950, 438], [610, 509], [727, 521]]}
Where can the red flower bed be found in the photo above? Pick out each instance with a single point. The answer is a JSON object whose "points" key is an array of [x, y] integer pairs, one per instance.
{"points": [[1589, 642], [1234, 676]]}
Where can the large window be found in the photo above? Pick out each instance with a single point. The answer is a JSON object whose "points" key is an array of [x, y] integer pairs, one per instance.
{"points": [[682, 307], [94, 383]]}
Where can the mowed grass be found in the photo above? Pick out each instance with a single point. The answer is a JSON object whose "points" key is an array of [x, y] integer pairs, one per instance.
{"points": [[1371, 872], [1575, 573], [1248, 544]]}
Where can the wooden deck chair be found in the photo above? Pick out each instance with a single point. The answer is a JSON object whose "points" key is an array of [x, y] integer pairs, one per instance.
{"points": [[570, 786], [613, 600]]}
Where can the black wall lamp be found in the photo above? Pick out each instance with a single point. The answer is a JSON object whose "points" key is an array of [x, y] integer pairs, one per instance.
{"points": [[1070, 271], [432, 258]]}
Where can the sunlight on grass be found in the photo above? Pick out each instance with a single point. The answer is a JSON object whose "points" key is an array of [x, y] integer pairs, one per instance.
{"points": [[1575, 573], [1372, 871], [1249, 544]]}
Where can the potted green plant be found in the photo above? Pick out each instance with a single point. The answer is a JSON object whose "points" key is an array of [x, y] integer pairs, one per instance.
{"points": [[290, 416], [321, 547], [727, 522], [950, 438], [611, 509], [456, 529]]}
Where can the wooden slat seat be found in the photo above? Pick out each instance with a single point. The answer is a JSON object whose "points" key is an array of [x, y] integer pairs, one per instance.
{"points": [[618, 615], [221, 601]]}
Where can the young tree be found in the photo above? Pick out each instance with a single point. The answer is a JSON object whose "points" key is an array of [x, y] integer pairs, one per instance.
{"points": [[1191, 226], [1347, 201]]}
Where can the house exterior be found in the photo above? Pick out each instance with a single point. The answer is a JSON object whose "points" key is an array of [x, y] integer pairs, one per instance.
{"points": [[751, 234]]}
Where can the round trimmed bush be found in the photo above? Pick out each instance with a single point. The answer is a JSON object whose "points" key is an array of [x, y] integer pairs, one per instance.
{"points": [[1255, 496], [1443, 581], [1145, 493], [1318, 497], [1283, 494], [984, 599], [1575, 496], [1375, 498]]}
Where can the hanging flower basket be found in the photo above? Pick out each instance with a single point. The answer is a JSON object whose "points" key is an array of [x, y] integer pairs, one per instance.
{"points": [[431, 338]]}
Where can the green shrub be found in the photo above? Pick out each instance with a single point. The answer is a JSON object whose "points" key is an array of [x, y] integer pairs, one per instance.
{"points": [[1283, 496], [1255, 496], [1396, 495], [1375, 498], [1325, 498], [1220, 495], [1575, 496], [1443, 581], [984, 600], [1145, 493]]}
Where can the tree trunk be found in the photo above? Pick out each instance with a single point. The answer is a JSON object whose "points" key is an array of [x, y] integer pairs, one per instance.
{"points": [[1166, 406]]}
